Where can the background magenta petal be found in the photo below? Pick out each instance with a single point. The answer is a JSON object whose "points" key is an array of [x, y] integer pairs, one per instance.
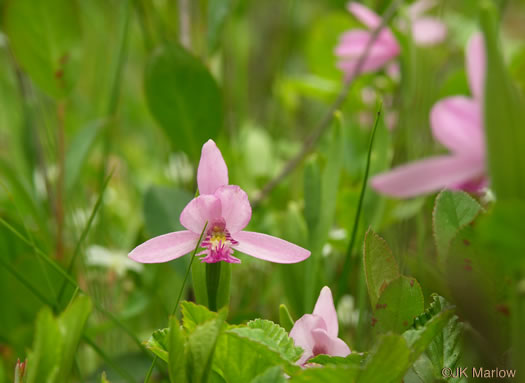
{"points": [[165, 247], [364, 14], [269, 248], [329, 344], [476, 65], [427, 176], [324, 307], [212, 172]]}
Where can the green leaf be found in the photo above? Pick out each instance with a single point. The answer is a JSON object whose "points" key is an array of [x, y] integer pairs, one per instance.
{"points": [[380, 265], [198, 277], [43, 36], [354, 359], [184, 98], [274, 336], [158, 343], [201, 347], [332, 374], [401, 301], [271, 375], [504, 115], [285, 319], [453, 210], [162, 208], [104, 378], [218, 11], [388, 362], [194, 315], [177, 352]]}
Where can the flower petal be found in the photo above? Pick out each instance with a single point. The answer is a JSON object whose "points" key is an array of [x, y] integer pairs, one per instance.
{"points": [[165, 247], [329, 345], [236, 209], [457, 124], [419, 7], [269, 248], [427, 176], [212, 172], [364, 14], [428, 31], [204, 208], [301, 333], [476, 65], [324, 307]]}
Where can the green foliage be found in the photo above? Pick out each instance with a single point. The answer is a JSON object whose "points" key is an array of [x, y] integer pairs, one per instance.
{"points": [[453, 210], [56, 342], [178, 89], [285, 319], [380, 265], [271, 375], [158, 343], [504, 116]]}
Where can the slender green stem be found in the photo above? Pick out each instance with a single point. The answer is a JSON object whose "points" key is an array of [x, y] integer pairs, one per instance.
{"points": [[84, 234], [193, 255], [343, 280], [213, 277]]}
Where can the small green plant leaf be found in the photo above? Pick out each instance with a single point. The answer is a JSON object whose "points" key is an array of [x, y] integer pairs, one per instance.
{"points": [[194, 315], [354, 359], [158, 343], [453, 210], [380, 265], [271, 375], [401, 302], [178, 89], [285, 319], [177, 352], [275, 337]]}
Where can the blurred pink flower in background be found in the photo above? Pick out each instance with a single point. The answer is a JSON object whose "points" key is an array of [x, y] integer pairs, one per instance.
{"points": [[352, 44], [426, 30], [317, 333], [227, 211], [457, 123]]}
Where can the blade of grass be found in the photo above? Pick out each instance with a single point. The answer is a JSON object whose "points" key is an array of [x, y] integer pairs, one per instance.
{"points": [[193, 255], [84, 233], [343, 280]]}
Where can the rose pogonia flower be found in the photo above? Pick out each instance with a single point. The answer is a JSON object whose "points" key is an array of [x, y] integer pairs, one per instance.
{"points": [[457, 123], [316, 333], [426, 30], [227, 211], [352, 44]]}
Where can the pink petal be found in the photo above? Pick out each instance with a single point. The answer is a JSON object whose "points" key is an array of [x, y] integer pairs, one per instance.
{"points": [[457, 123], [204, 208], [353, 44], [427, 176], [301, 333], [428, 31], [269, 248], [329, 345], [165, 247], [364, 14], [212, 172], [236, 209], [476, 65], [325, 308]]}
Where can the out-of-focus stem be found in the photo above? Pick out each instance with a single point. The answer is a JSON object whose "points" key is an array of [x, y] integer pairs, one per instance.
{"points": [[61, 160], [185, 23]]}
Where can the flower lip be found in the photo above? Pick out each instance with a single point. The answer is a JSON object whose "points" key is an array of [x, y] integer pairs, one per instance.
{"points": [[218, 244]]}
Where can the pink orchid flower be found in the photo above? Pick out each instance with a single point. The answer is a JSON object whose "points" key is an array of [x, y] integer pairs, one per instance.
{"points": [[227, 211], [457, 123], [352, 44], [317, 333], [426, 30]]}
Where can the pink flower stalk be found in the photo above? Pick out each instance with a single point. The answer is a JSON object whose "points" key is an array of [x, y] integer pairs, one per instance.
{"points": [[352, 44], [426, 30], [227, 211], [317, 333], [457, 123]]}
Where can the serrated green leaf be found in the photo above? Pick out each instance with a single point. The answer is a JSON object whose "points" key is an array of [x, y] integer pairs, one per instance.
{"points": [[43, 36], [178, 88], [201, 347], [453, 210], [273, 336], [158, 343], [380, 265], [401, 302], [194, 315], [177, 352], [354, 359], [388, 362], [332, 374], [271, 375]]}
